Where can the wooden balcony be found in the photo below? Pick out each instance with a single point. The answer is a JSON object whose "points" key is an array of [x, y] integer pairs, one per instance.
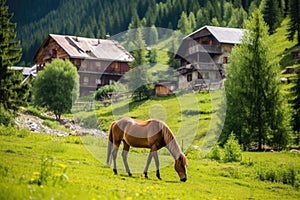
{"points": [[208, 66], [203, 48], [199, 67]]}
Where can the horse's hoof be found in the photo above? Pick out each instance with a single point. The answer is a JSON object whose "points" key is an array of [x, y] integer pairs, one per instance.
{"points": [[146, 175], [158, 175], [129, 174], [115, 171]]}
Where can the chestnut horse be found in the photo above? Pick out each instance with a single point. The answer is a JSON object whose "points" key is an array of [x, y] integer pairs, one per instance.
{"points": [[152, 134]]}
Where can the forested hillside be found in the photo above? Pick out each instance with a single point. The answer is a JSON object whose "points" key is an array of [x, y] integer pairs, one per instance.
{"points": [[95, 18]]}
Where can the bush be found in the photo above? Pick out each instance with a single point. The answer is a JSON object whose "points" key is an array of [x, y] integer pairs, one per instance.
{"points": [[232, 150], [285, 174], [103, 92], [6, 117], [12, 131], [216, 153]]}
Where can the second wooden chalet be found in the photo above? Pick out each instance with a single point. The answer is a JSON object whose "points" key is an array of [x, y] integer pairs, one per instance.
{"points": [[203, 56], [99, 61]]}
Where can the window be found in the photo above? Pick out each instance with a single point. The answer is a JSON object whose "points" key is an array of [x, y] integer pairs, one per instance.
{"points": [[85, 80], [205, 75], [98, 64], [54, 53], [200, 75], [225, 60], [189, 77], [98, 81], [111, 82], [116, 65]]}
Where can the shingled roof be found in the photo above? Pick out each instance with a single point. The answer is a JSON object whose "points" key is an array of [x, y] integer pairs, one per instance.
{"points": [[91, 48], [223, 34]]}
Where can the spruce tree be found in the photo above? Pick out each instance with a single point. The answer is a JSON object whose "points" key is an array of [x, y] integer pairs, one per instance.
{"points": [[255, 109], [184, 25], [296, 107], [294, 23], [12, 92], [138, 79], [272, 15]]}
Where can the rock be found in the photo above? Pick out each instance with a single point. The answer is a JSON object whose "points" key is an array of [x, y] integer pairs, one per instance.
{"points": [[295, 150], [35, 124]]}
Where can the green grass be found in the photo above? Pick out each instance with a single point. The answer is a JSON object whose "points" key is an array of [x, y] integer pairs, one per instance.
{"points": [[281, 46], [39, 166], [71, 171]]}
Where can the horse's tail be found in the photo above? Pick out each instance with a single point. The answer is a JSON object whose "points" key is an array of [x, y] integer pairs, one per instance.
{"points": [[110, 146]]}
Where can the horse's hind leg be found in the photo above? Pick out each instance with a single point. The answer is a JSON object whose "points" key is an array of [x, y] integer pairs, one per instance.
{"points": [[156, 164], [124, 156], [114, 156]]}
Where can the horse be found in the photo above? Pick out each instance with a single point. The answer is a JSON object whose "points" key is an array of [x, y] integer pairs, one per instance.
{"points": [[153, 134]]}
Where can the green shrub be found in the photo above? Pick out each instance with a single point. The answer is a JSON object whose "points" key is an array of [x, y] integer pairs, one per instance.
{"points": [[6, 117], [12, 131], [232, 150], [286, 174], [216, 153], [103, 92]]}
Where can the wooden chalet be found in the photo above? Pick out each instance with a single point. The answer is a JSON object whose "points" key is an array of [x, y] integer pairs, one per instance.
{"points": [[203, 56], [99, 61]]}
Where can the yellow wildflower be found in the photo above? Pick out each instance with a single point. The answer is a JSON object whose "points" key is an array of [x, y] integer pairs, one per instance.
{"points": [[62, 165]]}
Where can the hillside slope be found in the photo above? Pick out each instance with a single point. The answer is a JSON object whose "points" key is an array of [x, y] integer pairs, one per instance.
{"points": [[282, 47]]}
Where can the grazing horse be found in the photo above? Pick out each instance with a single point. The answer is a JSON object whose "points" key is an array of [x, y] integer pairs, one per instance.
{"points": [[152, 134]]}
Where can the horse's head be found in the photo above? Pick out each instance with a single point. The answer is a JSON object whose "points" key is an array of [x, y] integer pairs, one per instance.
{"points": [[181, 167]]}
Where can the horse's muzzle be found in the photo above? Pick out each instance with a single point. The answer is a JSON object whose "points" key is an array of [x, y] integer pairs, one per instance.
{"points": [[183, 179]]}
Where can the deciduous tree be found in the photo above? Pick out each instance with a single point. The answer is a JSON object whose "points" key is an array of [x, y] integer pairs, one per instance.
{"points": [[57, 87]]}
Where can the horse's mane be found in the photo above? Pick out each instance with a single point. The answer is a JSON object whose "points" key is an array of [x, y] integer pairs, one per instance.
{"points": [[171, 143]]}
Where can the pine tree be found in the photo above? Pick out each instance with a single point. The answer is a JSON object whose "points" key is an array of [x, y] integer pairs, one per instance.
{"points": [[12, 92], [255, 108], [192, 21], [172, 62], [184, 25], [296, 107], [138, 79], [294, 23], [272, 15], [151, 35]]}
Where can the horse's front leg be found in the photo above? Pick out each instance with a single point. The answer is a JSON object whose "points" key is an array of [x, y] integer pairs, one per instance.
{"points": [[156, 164], [147, 164]]}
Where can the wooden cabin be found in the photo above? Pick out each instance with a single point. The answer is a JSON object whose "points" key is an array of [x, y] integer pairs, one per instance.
{"points": [[203, 56], [98, 61], [164, 88]]}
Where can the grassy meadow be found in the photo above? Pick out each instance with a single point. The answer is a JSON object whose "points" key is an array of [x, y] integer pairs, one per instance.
{"points": [[40, 166]]}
